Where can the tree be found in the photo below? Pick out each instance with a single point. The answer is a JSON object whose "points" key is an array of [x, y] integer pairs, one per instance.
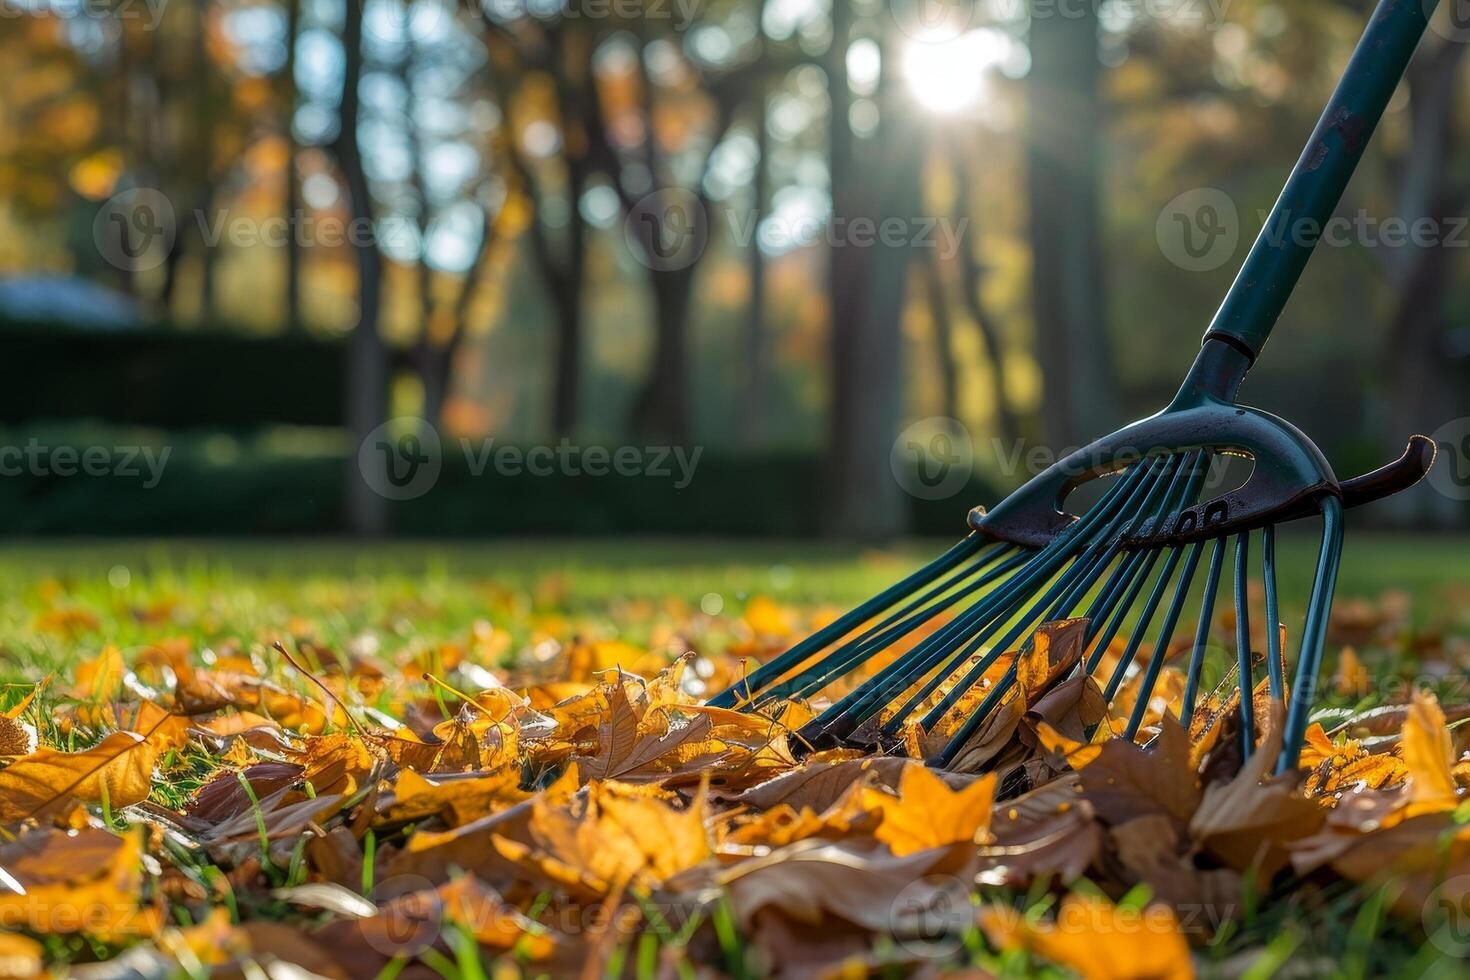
{"points": [[1069, 307], [367, 361], [867, 287]]}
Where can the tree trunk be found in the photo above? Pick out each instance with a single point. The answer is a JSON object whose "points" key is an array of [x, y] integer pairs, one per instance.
{"points": [[1067, 298], [661, 410], [752, 414], [293, 191], [972, 277], [367, 364], [866, 289], [567, 304], [949, 382]]}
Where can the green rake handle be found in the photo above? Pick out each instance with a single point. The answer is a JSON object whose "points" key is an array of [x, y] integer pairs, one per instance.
{"points": [[1315, 186]]}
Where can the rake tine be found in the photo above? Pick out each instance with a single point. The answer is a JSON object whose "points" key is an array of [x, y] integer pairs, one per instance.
{"points": [[1184, 479], [1202, 631], [1169, 472], [989, 613], [1314, 634], [1243, 645], [745, 689], [1140, 628], [1166, 633], [858, 651], [1273, 614]]}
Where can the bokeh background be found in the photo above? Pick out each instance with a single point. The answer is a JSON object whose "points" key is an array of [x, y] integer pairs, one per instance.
{"points": [[442, 268]]}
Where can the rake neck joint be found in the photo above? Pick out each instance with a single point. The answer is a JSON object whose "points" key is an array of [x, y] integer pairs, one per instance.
{"points": [[1215, 376]]}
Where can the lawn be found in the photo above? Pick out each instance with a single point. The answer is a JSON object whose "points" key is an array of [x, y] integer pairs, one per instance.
{"points": [[407, 633]]}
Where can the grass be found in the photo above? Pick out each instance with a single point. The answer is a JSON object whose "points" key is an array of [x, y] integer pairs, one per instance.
{"points": [[60, 602]]}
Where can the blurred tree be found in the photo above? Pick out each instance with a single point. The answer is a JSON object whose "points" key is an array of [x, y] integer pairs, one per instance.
{"points": [[873, 179], [542, 76], [1063, 118], [367, 359], [291, 178]]}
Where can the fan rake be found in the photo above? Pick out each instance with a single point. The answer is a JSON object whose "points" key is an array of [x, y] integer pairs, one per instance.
{"points": [[1151, 531]]}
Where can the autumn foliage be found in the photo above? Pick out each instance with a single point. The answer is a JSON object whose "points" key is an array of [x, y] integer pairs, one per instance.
{"points": [[584, 813]]}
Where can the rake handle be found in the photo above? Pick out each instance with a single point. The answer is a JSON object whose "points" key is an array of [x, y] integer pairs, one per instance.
{"points": [[1312, 192]]}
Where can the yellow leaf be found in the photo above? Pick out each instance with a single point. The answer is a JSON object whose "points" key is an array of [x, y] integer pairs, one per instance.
{"points": [[1076, 754], [1429, 754], [927, 814], [1098, 939]]}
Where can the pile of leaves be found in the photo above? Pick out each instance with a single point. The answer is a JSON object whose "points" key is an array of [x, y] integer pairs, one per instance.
{"points": [[569, 806]]}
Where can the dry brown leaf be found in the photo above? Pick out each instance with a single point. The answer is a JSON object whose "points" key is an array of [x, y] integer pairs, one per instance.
{"points": [[1127, 781], [89, 882], [119, 768]]}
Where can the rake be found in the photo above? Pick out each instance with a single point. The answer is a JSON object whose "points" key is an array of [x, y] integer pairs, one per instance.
{"points": [[1030, 561]]}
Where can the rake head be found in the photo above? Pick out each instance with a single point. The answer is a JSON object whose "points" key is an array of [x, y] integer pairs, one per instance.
{"points": [[1129, 562]]}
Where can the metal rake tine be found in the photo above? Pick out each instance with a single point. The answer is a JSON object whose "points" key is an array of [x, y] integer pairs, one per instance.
{"points": [[856, 652], [1166, 574], [1202, 631], [1273, 613], [1166, 633], [745, 689], [1165, 477], [1176, 492], [1245, 677], [1314, 634], [858, 705]]}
